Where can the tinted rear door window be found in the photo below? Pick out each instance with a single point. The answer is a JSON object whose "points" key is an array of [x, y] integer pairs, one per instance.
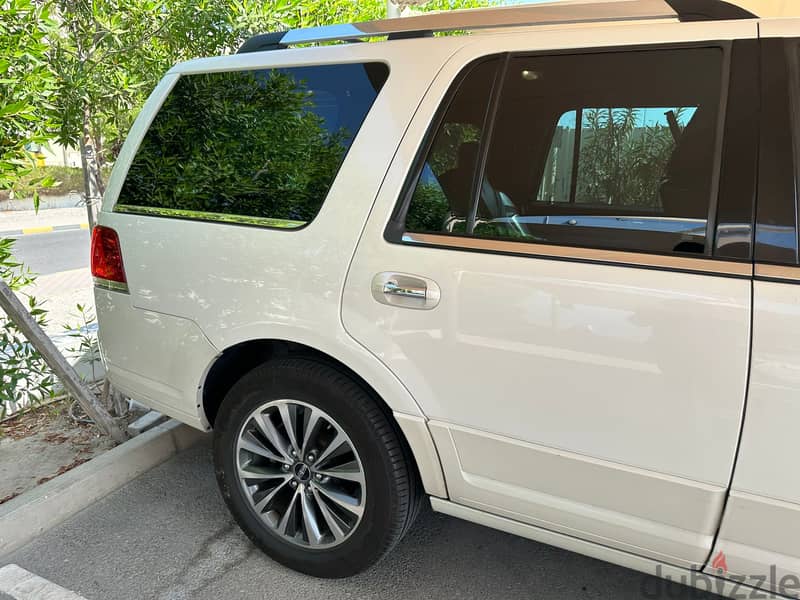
{"points": [[611, 150]]}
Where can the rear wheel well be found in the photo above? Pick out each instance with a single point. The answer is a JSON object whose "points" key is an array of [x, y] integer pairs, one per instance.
{"points": [[242, 358], [230, 367]]}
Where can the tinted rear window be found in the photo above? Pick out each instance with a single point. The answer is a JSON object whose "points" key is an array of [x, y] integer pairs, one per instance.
{"points": [[263, 145]]}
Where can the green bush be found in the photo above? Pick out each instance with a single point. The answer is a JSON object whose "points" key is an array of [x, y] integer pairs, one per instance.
{"points": [[429, 209], [24, 375], [64, 180], [622, 163]]}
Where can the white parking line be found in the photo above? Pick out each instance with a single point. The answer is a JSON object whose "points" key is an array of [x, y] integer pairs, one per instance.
{"points": [[24, 585]]}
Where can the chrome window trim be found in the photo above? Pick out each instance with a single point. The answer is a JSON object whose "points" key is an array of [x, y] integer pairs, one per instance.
{"points": [[194, 215], [781, 273], [707, 266]]}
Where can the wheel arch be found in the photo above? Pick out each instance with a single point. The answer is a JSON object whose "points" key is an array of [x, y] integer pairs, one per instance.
{"points": [[239, 359]]}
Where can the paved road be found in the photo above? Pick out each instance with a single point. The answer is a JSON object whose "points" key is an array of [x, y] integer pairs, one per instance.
{"points": [[61, 260], [168, 536], [47, 253]]}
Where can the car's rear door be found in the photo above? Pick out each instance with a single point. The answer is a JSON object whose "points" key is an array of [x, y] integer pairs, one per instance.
{"points": [[573, 315]]}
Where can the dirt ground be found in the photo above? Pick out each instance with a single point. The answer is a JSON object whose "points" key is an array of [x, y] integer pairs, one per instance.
{"points": [[42, 444]]}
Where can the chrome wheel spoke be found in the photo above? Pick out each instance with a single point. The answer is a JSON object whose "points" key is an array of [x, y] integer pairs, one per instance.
{"points": [[257, 472], [310, 519], [335, 444], [349, 472], [310, 429], [289, 418], [348, 503], [262, 504], [301, 474], [284, 522], [330, 519], [267, 428], [251, 444]]}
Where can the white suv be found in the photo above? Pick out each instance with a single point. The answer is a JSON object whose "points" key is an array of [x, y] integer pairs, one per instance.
{"points": [[545, 274]]}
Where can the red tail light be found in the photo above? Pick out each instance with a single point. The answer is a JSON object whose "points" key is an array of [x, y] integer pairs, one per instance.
{"points": [[107, 256]]}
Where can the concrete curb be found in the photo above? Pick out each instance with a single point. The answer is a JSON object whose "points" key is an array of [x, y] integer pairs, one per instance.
{"points": [[43, 229], [51, 503]]}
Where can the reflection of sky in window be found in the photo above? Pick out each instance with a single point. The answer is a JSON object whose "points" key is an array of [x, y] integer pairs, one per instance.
{"points": [[648, 117], [568, 120], [645, 117], [341, 96], [427, 176]]}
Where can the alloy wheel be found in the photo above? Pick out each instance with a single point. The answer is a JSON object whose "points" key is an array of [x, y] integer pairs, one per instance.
{"points": [[301, 473]]}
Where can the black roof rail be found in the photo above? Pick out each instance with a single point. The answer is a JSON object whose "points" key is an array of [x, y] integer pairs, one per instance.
{"points": [[263, 42], [566, 11], [708, 10]]}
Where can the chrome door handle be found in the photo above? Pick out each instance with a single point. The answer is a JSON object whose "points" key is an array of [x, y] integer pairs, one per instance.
{"points": [[405, 291], [418, 292]]}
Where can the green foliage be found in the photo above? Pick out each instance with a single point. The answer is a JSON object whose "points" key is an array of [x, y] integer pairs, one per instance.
{"points": [[621, 163], [444, 154], [24, 375], [59, 180], [429, 208], [107, 62], [237, 143], [27, 85]]}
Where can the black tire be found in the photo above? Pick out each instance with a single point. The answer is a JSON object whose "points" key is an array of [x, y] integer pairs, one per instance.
{"points": [[393, 488]]}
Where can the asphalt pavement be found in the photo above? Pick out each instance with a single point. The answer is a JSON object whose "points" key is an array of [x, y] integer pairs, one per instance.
{"points": [[46, 253], [168, 536]]}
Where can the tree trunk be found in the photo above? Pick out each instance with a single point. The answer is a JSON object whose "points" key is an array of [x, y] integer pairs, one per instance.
{"points": [[100, 185], [17, 312], [92, 182], [87, 185]]}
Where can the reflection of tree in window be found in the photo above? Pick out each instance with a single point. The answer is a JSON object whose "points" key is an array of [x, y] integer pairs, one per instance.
{"points": [[444, 191], [622, 156], [444, 156], [255, 143], [431, 207]]}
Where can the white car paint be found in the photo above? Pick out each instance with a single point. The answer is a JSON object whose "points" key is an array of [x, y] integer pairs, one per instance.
{"points": [[762, 520]]}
